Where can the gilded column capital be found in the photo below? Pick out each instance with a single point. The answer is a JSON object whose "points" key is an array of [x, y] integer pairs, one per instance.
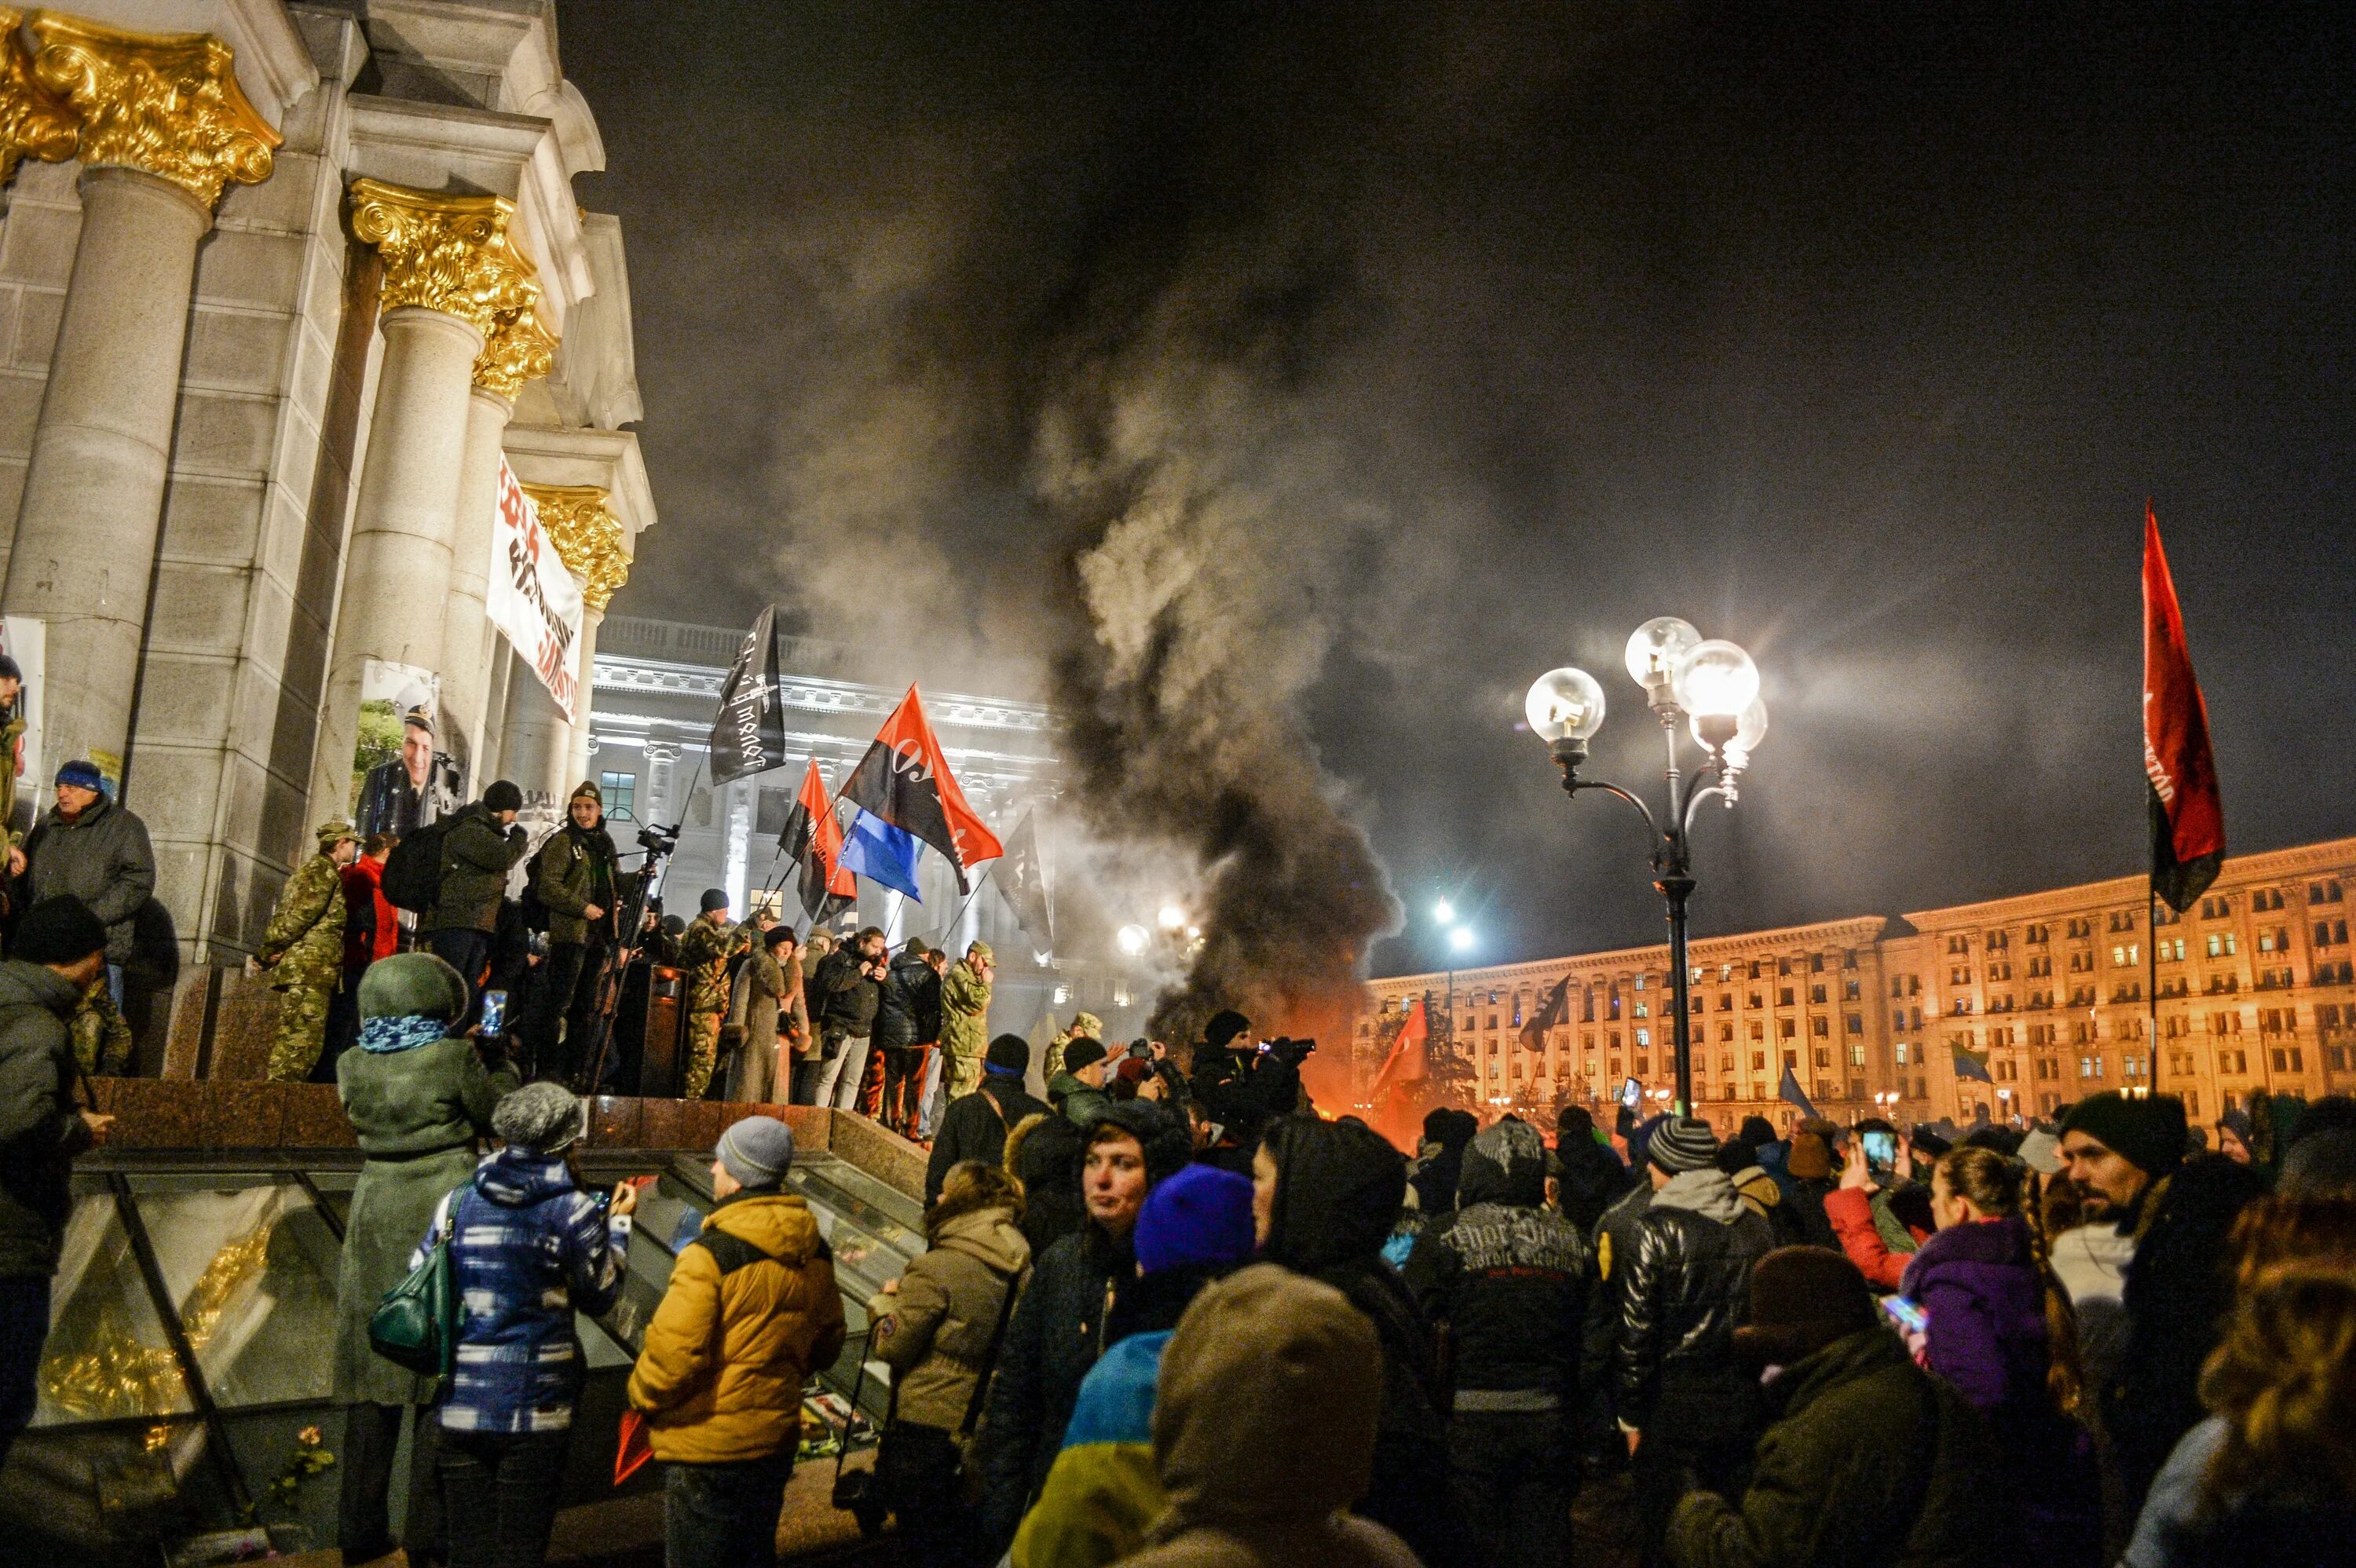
{"points": [[516, 349], [32, 121], [164, 103], [580, 522], [450, 253]]}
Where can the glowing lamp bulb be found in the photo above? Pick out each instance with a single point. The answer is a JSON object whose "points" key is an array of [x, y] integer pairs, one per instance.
{"points": [[1749, 729], [1564, 705], [1654, 648], [1460, 939], [1132, 940], [1172, 917], [1716, 680], [1444, 912]]}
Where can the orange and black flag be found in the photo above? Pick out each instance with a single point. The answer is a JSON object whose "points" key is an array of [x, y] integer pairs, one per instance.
{"points": [[2188, 814], [813, 840], [904, 779]]}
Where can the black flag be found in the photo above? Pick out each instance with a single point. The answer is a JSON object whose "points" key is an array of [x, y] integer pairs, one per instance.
{"points": [[1556, 1011], [748, 733], [1022, 878]]}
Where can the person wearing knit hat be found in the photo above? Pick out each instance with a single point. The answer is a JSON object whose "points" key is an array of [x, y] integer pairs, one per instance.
{"points": [[479, 848], [1102, 1493], [58, 953], [2115, 1147], [419, 1095], [1681, 1144], [96, 850], [303, 950], [1679, 1292], [752, 1311], [755, 1153], [576, 875], [710, 945], [965, 1019], [975, 1125], [1078, 1089], [1847, 1472], [531, 1249]]}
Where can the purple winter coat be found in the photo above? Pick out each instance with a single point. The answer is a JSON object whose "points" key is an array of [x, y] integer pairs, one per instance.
{"points": [[1987, 1337]]}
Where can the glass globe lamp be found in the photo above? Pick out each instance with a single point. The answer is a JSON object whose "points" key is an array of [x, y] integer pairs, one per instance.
{"points": [[1654, 648], [1750, 727], [1130, 939], [1564, 705], [1716, 679]]}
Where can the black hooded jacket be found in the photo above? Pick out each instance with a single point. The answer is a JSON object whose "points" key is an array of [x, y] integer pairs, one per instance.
{"points": [[1592, 1178], [1339, 1190], [1507, 1276], [1435, 1184]]}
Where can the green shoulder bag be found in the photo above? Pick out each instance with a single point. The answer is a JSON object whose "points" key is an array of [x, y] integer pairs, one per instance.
{"points": [[415, 1325]]}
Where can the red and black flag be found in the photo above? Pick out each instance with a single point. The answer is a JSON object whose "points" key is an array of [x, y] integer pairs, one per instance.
{"points": [[2188, 814], [904, 779], [1557, 1010], [1407, 1061], [813, 839]]}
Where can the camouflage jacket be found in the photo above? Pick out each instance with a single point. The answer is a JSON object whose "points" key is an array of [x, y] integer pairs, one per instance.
{"points": [[704, 953], [964, 1011], [305, 943]]}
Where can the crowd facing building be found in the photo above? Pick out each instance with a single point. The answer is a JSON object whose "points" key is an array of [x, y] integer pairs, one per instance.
{"points": [[2011, 1006]]}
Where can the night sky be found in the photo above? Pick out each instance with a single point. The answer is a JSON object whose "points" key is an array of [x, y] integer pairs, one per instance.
{"points": [[1859, 337]]}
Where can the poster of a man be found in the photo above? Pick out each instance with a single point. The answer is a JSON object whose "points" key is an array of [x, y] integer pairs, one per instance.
{"points": [[401, 779]]}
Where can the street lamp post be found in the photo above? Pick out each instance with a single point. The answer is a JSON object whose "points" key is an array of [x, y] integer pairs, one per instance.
{"points": [[1710, 687]]}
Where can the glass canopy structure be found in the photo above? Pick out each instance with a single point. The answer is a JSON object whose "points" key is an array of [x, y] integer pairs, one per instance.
{"points": [[186, 1390]]}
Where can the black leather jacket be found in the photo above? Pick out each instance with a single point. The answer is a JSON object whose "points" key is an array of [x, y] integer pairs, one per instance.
{"points": [[1687, 1286]]}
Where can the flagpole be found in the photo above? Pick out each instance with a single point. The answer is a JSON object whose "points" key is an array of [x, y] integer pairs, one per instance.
{"points": [[2151, 939], [949, 934]]}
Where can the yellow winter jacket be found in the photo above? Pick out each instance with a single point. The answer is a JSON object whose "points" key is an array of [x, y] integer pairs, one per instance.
{"points": [[738, 1334]]}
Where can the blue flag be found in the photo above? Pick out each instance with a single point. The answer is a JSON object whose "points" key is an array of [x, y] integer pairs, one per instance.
{"points": [[882, 853], [1790, 1090]]}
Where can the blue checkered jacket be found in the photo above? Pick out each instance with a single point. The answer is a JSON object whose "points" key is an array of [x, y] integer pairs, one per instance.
{"points": [[529, 1250]]}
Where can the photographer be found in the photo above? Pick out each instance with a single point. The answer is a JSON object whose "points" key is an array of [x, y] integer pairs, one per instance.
{"points": [[850, 988], [1245, 1085]]}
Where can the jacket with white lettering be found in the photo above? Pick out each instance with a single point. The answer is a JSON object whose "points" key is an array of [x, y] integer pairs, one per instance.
{"points": [[1508, 1276]]}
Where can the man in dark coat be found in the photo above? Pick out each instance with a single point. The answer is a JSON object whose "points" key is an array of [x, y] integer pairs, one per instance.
{"points": [[1058, 1330], [1327, 1195], [850, 986], [1508, 1279], [1869, 1460], [899, 1010], [478, 849], [1588, 1176], [88, 847], [1684, 1284], [975, 1126], [1435, 1181], [60, 952], [575, 873], [2129, 1156]]}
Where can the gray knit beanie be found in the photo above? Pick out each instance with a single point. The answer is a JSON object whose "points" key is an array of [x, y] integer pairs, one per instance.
{"points": [[1681, 1144], [543, 1117], [757, 1151]]}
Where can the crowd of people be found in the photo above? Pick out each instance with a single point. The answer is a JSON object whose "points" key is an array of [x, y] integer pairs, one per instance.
{"points": [[1171, 1315]]}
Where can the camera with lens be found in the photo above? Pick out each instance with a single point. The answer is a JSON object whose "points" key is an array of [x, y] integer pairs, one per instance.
{"points": [[657, 839], [1291, 1053]]}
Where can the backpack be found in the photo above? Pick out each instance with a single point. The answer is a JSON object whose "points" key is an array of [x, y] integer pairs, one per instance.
{"points": [[412, 878]]}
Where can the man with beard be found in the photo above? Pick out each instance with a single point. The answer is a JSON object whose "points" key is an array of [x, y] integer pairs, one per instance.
{"points": [[574, 874], [2128, 1157]]}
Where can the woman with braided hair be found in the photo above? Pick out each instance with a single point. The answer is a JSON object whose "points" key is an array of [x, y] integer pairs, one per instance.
{"points": [[2001, 1332]]}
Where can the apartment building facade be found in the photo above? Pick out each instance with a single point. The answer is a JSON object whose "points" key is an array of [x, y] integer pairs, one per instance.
{"points": [[2052, 996]]}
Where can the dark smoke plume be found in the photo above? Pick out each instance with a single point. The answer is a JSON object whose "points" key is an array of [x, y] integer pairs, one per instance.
{"points": [[1211, 520]]}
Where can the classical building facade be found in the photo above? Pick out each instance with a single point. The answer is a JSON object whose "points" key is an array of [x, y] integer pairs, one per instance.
{"points": [[279, 285], [2049, 995], [658, 688]]}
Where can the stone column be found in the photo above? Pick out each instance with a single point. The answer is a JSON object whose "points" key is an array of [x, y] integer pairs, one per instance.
{"points": [[654, 804], [162, 127], [449, 271], [593, 546], [534, 740], [519, 349]]}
